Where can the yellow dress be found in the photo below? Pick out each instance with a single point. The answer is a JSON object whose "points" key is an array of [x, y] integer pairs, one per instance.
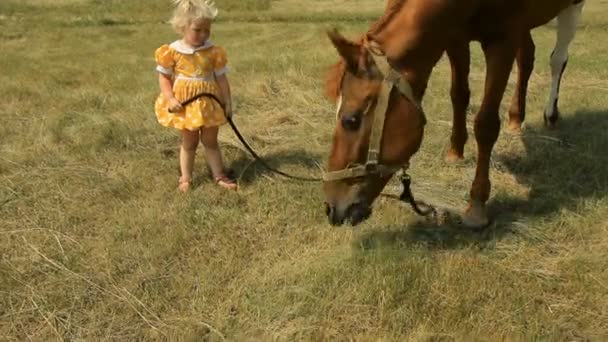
{"points": [[193, 71]]}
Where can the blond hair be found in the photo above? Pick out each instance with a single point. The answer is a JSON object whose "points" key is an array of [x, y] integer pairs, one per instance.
{"points": [[187, 11]]}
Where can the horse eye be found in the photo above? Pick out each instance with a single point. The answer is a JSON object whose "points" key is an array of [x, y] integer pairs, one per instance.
{"points": [[351, 122]]}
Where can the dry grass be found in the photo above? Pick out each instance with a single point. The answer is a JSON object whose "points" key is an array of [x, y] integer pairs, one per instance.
{"points": [[97, 244]]}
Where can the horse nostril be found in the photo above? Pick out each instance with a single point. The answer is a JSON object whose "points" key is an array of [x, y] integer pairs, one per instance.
{"points": [[335, 219], [358, 212]]}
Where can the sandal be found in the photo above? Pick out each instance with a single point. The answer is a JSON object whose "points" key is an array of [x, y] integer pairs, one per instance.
{"points": [[225, 182], [184, 184]]}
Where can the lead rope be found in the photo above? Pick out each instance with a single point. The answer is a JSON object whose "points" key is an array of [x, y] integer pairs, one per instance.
{"points": [[406, 196], [244, 142], [406, 181]]}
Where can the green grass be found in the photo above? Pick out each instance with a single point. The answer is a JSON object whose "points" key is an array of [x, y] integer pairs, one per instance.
{"points": [[96, 243]]}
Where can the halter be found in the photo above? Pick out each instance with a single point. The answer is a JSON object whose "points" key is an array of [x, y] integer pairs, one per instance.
{"points": [[391, 79]]}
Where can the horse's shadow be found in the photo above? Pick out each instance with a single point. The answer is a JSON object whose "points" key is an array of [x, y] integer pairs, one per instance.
{"points": [[561, 167]]}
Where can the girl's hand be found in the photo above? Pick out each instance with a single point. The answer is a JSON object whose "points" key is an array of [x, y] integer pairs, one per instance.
{"points": [[175, 106]]}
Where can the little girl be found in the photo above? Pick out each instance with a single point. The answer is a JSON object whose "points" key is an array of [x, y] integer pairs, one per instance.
{"points": [[186, 68]]}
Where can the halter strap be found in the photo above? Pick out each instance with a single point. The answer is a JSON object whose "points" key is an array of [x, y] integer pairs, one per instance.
{"points": [[392, 79], [391, 75]]}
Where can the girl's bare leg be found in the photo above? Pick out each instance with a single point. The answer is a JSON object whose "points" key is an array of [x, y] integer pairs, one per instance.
{"points": [[214, 156], [187, 153]]}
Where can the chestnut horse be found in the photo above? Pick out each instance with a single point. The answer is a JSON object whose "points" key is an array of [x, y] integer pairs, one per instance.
{"points": [[381, 80], [459, 57]]}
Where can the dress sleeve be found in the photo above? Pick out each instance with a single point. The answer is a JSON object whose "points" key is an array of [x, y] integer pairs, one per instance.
{"points": [[220, 61], [164, 60]]}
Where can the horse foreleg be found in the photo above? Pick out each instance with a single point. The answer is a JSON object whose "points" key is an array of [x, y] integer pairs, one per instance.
{"points": [[525, 65], [567, 21], [460, 94], [499, 58]]}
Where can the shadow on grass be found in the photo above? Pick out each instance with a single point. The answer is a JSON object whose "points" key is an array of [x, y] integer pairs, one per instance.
{"points": [[431, 236], [242, 166], [561, 167], [298, 163]]}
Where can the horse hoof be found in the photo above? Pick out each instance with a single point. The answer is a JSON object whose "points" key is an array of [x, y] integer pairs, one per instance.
{"points": [[515, 128], [475, 217], [551, 124], [453, 157], [551, 119]]}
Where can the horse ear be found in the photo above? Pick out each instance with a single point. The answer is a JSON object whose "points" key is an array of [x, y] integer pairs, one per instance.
{"points": [[350, 51]]}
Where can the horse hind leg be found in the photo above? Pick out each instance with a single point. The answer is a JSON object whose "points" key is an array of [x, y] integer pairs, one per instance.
{"points": [[567, 21], [460, 95], [525, 65]]}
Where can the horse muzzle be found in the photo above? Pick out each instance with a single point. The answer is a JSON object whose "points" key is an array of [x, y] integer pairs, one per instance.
{"points": [[354, 214]]}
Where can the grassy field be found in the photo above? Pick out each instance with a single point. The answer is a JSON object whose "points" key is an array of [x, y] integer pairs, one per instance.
{"points": [[96, 242]]}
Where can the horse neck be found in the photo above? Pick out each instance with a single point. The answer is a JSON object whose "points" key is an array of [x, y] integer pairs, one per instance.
{"points": [[410, 50]]}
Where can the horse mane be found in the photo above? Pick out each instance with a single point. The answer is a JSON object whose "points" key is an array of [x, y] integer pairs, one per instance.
{"points": [[392, 8], [336, 72]]}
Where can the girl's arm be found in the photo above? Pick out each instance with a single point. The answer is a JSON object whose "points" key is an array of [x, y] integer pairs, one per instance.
{"points": [[166, 88], [222, 82]]}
